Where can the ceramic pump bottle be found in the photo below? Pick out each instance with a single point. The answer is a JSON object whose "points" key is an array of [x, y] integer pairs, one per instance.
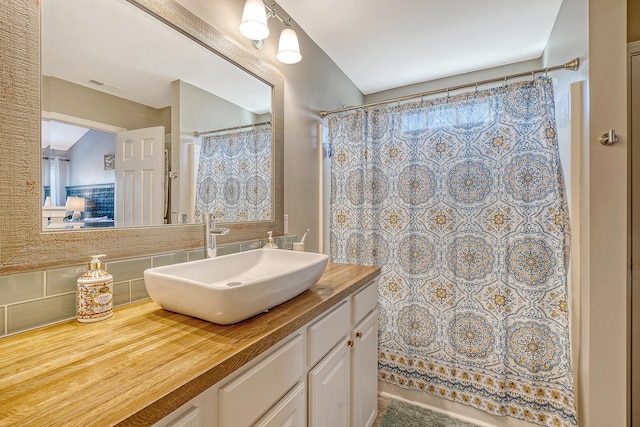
{"points": [[95, 293]]}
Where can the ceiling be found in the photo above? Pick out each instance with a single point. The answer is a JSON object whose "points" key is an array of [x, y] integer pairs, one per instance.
{"points": [[132, 55], [382, 45], [60, 136], [136, 56]]}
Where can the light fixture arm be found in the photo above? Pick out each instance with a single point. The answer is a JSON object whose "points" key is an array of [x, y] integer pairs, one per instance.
{"points": [[273, 13]]}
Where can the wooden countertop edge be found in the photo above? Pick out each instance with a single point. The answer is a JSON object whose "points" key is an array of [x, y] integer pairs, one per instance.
{"points": [[184, 393]]}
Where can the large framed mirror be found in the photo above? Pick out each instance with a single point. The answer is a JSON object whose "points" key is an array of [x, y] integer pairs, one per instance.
{"points": [[23, 186]]}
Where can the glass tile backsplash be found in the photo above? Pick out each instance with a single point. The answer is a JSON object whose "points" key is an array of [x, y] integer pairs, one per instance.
{"points": [[34, 299]]}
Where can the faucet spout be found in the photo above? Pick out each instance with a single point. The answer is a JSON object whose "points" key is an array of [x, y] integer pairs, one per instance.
{"points": [[210, 233]]}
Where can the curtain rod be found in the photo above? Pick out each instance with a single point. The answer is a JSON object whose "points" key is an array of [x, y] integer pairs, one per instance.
{"points": [[571, 66], [196, 133]]}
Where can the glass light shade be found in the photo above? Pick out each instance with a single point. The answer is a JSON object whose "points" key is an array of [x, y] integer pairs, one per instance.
{"points": [[288, 47], [254, 21]]}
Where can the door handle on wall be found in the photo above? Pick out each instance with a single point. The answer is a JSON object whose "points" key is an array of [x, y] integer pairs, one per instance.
{"points": [[609, 138]]}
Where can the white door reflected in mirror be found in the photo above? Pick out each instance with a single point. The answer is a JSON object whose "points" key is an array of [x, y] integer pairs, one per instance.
{"points": [[140, 184]]}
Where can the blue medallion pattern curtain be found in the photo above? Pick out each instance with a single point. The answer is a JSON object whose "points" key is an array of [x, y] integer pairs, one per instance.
{"points": [[234, 175], [461, 201]]}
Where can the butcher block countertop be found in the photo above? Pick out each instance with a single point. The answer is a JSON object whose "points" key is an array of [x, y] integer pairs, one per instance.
{"points": [[144, 362]]}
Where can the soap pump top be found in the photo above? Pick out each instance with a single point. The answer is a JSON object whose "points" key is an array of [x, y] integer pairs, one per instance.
{"points": [[96, 262], [270, 244]]}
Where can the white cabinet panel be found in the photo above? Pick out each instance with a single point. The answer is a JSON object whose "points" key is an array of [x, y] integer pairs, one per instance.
{"points": [[326, 332], [364, 382], [191, 418], [244, 399], [330, 389], [291, 411], [364, 302]]}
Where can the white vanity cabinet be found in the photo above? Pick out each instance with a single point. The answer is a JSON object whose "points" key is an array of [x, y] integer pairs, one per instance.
{"points": [[330, 388], [324, 374], [267, 391], [343, 384], [364, 372]]}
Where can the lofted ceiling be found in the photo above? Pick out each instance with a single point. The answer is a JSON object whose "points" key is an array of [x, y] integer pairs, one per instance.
{"points": [[382, 45]]}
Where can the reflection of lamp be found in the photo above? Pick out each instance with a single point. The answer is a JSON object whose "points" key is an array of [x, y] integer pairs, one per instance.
{"points": [[75, 204]]}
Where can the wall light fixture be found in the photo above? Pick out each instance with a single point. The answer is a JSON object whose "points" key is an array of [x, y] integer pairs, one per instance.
{"points": [[254, 27]]}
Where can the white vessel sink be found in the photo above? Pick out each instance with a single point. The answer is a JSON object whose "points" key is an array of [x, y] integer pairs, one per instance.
{"points": [[231, 288]]}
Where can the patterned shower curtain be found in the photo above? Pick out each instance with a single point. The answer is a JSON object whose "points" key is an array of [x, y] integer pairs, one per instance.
{"points": [[234, 175], [461, 201]]}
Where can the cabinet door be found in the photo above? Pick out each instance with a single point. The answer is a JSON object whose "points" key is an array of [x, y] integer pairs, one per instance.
{"points": [[364, 370], [329, 389]]}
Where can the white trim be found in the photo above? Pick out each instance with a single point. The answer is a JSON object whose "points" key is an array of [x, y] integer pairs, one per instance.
{"points": [[72, 120]]}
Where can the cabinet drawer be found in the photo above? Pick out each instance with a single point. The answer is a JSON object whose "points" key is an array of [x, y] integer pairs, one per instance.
{"points": [[291, 411], [247, 397], [191, 418], [326, 332], [364, 302]]}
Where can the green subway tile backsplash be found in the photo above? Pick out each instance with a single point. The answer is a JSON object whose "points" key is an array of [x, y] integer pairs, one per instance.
{"points": [[228, 249], [3, 331], [247, 246], [21, 287], [62, 280], [168, 259], [195, 254], [34, 299], [28, 315], [121, 293], [138, 290], [128, 269]]}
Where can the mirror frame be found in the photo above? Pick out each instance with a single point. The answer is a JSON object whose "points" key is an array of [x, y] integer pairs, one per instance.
{"points": [[23, 245]]}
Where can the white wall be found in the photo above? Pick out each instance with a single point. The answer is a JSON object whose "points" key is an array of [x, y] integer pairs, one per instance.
{"points": [[86, 165], [606, 399], [595, 30], [570, 39]]}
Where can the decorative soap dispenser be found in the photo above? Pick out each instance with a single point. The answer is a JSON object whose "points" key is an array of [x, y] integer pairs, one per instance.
{"points": [[270, 244], [94, 297]]}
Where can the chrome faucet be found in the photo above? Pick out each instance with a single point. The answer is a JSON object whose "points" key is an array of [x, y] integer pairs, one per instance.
{"points": [[210, 233]]}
